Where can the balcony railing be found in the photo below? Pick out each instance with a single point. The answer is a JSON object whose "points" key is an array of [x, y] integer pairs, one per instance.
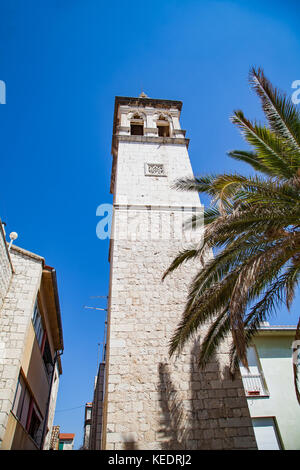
{"points": [[254, 385]]}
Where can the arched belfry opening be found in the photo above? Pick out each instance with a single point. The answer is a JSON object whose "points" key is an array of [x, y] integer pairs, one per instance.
{"points": [[163, 126], [137, 125]]}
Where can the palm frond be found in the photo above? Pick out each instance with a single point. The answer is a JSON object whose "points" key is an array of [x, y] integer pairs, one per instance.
{"points": [[281, 113], [266, 145], [253, 230]]}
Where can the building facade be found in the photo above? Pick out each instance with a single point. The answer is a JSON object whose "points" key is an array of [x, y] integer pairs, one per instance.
{"points": [[66, 441], [95, 433], [87, 425], [31, 342], [150, 401], [54, 441], [270, 391]]}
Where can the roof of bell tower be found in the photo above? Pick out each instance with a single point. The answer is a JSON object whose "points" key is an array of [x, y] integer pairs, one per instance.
{"points": [[143, 101], [144, 105]]}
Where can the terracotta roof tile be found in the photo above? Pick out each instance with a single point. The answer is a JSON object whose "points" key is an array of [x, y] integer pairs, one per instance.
{"points": [[66, 436]]}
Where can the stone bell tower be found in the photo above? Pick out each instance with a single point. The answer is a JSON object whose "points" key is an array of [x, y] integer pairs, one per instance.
{"points": [[150, 401]]}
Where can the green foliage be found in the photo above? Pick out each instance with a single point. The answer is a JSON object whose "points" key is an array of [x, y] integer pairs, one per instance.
{"points": [[254, 223]]}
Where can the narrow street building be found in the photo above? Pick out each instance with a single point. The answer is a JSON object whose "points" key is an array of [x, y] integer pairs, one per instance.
{"points": [[270, 390], [31, 343]]}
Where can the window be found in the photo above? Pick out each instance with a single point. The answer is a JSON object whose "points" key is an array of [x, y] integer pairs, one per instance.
{"points": [[136, 129], [47, 357], [163, 131], [266, 434], [163, 127], [37, 324], [253, 380], [42, 340], [25, 409], [21, 402], [34, 423], [137, 125], [88, 413]]}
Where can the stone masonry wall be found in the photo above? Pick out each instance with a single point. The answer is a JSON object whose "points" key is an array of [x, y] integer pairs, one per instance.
{"points": [[154, 402], [133, 187], [97, 411], [15, 316]]}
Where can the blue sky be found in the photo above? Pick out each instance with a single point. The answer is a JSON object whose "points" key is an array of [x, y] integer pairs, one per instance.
{"points": [[63, 62]]}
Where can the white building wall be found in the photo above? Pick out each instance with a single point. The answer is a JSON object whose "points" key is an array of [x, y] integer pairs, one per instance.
{"points": [[133, 187], [275, 355]]}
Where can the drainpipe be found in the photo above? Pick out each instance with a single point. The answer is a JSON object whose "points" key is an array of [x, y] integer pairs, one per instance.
{"points": [[57, 354]]}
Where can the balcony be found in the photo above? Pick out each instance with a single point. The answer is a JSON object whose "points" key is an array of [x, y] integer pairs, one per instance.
{"points": [[254, 385]]}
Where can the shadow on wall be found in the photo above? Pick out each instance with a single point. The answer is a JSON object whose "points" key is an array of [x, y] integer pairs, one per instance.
{"points": [[214, 417], [130, 445], [176, 430]]}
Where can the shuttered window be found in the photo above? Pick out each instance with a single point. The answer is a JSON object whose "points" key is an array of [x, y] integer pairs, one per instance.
{"points": [[266, 434]]}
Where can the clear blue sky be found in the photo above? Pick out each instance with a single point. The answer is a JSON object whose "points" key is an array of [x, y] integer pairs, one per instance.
{"points": [[63, 62]]}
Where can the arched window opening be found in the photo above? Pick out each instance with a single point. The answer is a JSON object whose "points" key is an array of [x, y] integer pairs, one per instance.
{"points": [[163, 127], [136, 125]]}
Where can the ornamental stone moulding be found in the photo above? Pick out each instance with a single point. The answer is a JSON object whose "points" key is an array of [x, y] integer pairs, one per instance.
{"points": [[155, 169]]}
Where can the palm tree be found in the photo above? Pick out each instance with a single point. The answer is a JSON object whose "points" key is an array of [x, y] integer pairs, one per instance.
{"points": [[253, 227]]}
